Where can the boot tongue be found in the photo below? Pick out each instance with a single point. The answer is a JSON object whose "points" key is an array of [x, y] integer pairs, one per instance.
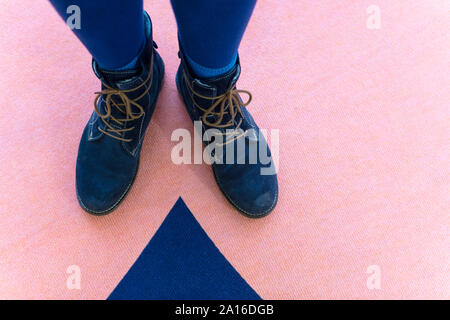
{"points": [[224, 82], [113, 77]]}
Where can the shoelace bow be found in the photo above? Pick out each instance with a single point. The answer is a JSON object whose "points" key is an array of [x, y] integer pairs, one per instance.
{"points": [[229, 103], [127, 103]]}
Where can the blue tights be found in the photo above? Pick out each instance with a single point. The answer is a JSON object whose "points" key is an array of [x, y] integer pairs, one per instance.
{"points": [[210, 31]]}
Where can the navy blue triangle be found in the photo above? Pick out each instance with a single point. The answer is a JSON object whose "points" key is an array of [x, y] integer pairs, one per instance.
{"points": [[181, 262]]}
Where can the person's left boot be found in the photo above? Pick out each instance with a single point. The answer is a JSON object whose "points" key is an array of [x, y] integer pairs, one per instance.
{"points": [[248, 182], [110, 147]]}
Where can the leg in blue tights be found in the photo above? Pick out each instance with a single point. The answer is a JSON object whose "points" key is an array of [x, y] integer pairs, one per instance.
{"points": [[210, 32], [112, 30]]}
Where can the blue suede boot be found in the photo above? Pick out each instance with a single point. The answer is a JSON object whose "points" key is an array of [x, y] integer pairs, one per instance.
{"points": [[247, 180], [108, 155]]}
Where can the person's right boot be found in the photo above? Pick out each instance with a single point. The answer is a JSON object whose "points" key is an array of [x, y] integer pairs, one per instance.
{"points": [[110, 147]]}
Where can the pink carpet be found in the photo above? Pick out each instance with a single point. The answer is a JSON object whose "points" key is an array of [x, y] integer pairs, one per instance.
{"points": [[364, 155]]}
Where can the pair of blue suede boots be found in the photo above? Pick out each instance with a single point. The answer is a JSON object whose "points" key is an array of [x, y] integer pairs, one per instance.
{"points": [[109, 151]]}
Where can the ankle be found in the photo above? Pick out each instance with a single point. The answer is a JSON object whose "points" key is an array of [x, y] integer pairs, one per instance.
{"points": [[132, 65], [207, 72]]}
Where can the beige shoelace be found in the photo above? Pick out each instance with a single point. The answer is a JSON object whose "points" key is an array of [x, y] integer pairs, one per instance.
{"points": [[229, 103], [124, 107]]}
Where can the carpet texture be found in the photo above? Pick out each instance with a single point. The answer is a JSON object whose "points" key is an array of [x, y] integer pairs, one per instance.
{"points": [[364, 155]]}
